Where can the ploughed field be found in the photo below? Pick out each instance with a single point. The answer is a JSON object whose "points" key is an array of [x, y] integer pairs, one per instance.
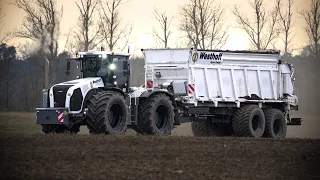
{"points": [[26, 153]]}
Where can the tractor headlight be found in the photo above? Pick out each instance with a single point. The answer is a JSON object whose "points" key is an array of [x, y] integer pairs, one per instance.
{"points": [[69, 93], [112, 66], [114, 77], [85, 111]]}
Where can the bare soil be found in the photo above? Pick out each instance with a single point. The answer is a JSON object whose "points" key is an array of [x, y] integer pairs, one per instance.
{"points": [[26, 153]]}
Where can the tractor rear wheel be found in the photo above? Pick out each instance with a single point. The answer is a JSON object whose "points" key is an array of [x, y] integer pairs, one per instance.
{"points": [[248, 121], [107, 113], [156, 115]]}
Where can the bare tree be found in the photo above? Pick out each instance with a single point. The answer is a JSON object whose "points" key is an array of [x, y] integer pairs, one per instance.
{"points": [[165, 32], [263, 30], [203, 23], [286, 23], [312, 19], [30, 82], [111, 23], [88, 35], [7, 58], [41, 25]]}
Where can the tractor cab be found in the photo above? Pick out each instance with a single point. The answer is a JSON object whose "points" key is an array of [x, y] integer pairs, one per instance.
{"points": [[113, 68]]}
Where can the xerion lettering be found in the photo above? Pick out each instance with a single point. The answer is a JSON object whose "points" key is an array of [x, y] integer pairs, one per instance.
{"points": [[210, 56]]}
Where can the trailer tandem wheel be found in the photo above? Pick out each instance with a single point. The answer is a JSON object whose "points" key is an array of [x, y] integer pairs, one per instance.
{"points": [[276, 126], [107, 113], [156, 115], [248, 121]]}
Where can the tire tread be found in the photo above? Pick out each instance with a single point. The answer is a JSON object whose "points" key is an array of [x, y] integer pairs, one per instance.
{"points": [[146, 121], [240, 123], [97, 109]]}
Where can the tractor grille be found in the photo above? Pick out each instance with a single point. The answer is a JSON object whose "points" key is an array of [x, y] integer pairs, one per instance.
{"points": [[76, 100], [59, 95]]}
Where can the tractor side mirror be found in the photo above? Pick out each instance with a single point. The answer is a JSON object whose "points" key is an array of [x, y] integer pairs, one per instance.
{"points": [[126, 71], [68, 68]]}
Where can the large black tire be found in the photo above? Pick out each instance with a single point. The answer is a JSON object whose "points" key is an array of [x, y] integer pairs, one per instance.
{"points": [[207, 128], [276, 126], [156, 115], [107, 113], [48, 128], [248, 121]]}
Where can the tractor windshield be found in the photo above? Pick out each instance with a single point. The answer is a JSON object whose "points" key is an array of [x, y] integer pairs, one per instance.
{"points": [[111, 68], [95, 66]]}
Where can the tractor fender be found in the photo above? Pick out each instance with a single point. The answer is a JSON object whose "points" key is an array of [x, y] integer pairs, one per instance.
{"points": [[88, 96], [116, 89], [93, 91]]}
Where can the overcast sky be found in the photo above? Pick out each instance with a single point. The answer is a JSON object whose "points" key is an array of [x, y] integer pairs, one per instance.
{"points": [[139, 13]]}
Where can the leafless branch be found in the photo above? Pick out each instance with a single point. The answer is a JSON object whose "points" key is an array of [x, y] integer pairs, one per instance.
{"points": [[3, 36], [263, 30], [165, 28], [312, 19], [42, 25], [287, 24], [203, 23], [89, 31], [111, 23]]}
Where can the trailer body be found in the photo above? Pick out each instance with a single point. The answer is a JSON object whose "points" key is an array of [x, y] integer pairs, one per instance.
{"points": [[217, 83], [222, 76]]}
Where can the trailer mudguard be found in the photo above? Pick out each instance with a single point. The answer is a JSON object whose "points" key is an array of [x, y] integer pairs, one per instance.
{"points": [[147, 94]]}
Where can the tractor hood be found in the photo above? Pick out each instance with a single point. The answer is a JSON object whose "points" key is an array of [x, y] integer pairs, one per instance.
{"points": [[90, 81], [61, 93], [85, 84]]}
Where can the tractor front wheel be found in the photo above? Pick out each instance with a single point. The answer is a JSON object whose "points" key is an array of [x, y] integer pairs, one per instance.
{"points": [[107, 113]]}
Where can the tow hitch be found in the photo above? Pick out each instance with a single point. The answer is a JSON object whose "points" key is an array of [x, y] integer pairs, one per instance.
{"points": [[295, 121]]}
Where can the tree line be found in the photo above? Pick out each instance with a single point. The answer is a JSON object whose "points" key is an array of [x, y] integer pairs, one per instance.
{"points": [[202, 24]]}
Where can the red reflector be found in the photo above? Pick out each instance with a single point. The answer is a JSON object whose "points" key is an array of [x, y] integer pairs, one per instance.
{"points": [[149, 84]]}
